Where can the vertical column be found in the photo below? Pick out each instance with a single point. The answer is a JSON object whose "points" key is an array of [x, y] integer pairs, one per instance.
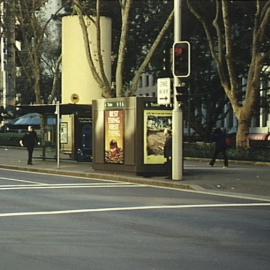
{"points": [[177, 116], [8, 53]]}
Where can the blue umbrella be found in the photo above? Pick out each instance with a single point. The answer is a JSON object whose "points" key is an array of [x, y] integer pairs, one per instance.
{"points": [[33, 119]]}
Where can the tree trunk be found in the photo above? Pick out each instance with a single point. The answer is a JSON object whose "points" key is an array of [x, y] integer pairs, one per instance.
{"points": [[242, 133], [37, 89], [55, 80], [37, 73], [126, 9]]}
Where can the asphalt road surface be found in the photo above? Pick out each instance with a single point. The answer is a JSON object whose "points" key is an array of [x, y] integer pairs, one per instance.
{"points": [[61, 223]]}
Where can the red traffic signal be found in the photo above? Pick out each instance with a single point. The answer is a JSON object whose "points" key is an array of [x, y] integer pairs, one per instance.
{"points": [[181, 59]]}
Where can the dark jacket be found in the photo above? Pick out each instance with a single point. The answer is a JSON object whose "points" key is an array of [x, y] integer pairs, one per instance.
{"points": [[30, 139], [219, 137], [168, 147]]}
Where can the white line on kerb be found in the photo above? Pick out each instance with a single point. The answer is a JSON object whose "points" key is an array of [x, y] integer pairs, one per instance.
{"points": [[136, 208], [212, 193], [60, 175], [69, 187], [64, 184], [21, 180]]}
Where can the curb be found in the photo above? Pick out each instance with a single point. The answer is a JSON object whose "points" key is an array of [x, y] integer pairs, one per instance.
{"points": [[106, 176], [136, 180]]}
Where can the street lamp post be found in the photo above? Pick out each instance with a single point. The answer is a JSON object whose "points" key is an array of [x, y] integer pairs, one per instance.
{"points": [[57, 111]]}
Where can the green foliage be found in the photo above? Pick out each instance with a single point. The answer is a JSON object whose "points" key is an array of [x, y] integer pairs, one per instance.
{"points": [[252, 154], [198, 150], [13, 139], [205, 150], [10, 139]]}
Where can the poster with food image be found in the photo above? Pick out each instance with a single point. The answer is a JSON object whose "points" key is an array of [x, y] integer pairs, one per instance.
{"points": [[155, 123], [114, 136]]}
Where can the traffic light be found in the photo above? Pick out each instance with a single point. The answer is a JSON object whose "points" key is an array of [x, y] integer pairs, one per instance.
{"points": [[181, 93], [181, 59]]}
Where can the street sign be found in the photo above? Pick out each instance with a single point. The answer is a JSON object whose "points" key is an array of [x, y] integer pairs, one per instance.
{"points": [[164, 91]]}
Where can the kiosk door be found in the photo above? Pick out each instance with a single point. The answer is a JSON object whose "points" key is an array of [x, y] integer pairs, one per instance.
{"points": [[83, 142]]}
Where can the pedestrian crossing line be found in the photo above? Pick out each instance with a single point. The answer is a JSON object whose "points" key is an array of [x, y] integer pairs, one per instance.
{"points": [[133, 208]]}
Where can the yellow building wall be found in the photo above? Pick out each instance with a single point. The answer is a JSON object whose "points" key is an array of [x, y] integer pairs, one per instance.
{"points": [[77, 77]]}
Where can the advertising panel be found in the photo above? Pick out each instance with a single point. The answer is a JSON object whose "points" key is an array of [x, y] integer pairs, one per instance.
{"points": [[64, 133], [155, 123], [114, 136]]}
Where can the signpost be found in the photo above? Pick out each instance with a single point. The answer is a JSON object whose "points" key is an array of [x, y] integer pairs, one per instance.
{"points": [[181, 69], [177, 116], [57, 112]]}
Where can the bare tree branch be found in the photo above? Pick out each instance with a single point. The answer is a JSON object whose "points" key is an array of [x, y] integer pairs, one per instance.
{"points": [[107, 87], [135, 80], [264, 26], [228, 44], [87, 46], [55, 80], [210, 38], [122, 46], [219, 32]]}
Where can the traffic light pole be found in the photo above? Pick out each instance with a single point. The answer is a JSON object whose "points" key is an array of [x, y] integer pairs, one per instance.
{"points": [[177, 116]]}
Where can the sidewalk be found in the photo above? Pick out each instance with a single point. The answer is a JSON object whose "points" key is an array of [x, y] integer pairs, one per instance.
{"points": [[241, 177]]}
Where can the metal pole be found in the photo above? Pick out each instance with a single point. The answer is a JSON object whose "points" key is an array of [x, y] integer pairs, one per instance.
{"points": [[177, 116], [58, 133]]}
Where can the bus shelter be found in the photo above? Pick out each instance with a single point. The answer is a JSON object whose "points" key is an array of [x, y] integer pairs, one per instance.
{"points": [[70, 137]]}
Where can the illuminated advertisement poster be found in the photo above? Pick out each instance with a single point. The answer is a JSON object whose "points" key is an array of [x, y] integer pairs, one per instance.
{"points": [[114, 136], [155, 123]]}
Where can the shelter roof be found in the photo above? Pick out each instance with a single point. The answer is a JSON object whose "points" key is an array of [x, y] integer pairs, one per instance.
{"points": [[46, 109]]}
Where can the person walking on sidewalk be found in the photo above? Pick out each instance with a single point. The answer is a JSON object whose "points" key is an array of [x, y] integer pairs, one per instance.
{"points": [[168, 152], [29, 140], [219, 138]]}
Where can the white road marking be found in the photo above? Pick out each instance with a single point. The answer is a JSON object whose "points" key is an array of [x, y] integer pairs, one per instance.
{"points": [[219, 194], [179, 189], [65, 184], [21, 180], [62, 175], [116, 185], [134, 208]]}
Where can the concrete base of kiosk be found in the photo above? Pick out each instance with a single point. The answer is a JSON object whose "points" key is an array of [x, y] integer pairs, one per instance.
{"points": [[128, 135]]}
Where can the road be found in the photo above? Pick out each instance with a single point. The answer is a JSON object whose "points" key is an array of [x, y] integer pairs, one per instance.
{"points": [[59, 222]]}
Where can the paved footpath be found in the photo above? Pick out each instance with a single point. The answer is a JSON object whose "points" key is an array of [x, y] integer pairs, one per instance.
{"points": [[249, 178]]}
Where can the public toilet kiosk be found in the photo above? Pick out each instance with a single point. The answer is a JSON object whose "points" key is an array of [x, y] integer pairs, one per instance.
{"points": [[128, 134]]}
